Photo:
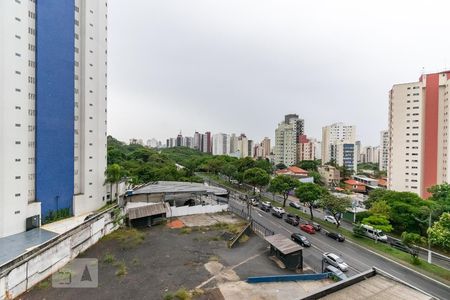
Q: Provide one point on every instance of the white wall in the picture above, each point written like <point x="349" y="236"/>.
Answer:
<point x="195" y="210"/>
<point x="17" y="113"/>
<point x="25" y="274"/>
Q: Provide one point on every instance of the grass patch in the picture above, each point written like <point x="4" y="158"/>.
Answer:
<point x="186" y="230"/>
<point x="214" y="258"/>
<point x="44" y="284"/>
<point x="109" y="258"/>
<point x="127" y="237"/>
<point x="183" y="294"/>
<point x="243" y="238"/>
<point x="168" y="296"/>
<point x="121" y="269"/>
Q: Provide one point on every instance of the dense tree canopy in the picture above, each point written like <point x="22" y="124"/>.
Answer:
<point x="309" y="193"/>
<point x="256" y="177"/>
<point x="439" y="233"/>
<point x="283" y="185"/>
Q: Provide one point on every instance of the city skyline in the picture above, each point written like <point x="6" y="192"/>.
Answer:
<point x="242" y="66"/>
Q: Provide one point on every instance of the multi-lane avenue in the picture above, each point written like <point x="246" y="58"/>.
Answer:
<point x="358" y="258"/>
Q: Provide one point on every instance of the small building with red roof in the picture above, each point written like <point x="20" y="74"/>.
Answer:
<point x="355" y="186"/>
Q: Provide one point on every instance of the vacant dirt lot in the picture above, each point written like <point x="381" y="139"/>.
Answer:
<point x="152" y="263"/>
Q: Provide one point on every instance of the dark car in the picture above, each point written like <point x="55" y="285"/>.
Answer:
<point x="292" y="220"/>
<point x="337" y="236"/>
<point x="316" y="226"/>
<point x="265" y="207"/>
<point x="300" y="239"/>
<point x="277" y="214"/>
<point x="402" y="247"/>
<point x="294" y="205"/>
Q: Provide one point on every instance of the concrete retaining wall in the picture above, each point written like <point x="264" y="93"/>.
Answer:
<point x="194" y="210"/>
<point x="19" y="275"/>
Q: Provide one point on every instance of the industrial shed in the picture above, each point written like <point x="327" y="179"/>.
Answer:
<point x="145" y="214"/>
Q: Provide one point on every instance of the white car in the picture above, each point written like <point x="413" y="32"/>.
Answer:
<point x="335" y="261"/>
<point x="330" y="219"/>
<point x="279" y="210"/>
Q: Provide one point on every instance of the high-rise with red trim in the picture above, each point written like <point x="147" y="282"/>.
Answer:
<point x="418" y="133"/>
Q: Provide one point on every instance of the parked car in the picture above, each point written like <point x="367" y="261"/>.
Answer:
<point x="300" y="239"/>
<point x="335" y="261"/>
<point x="292" y="220"/>
<point x="330" y="219"/>
<point x="294" y="205"/>
<point x="307" y="228"/>
<point x="373" y="233"/>
<point x="337" y="236"/>
<point x="279" y="209"/>
<point x="265" y="207"/>
<point x="277" y="214"/>
<point x="402" y="247"/>
<point x="336" y="272"/>
<point x="254" y="202"/>
<point x="316" y="226"/>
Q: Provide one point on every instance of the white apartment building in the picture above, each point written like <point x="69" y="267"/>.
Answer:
<point x="53" y="96"/>
<point x="338" y="144"/>
<point x="265" y="145"/>
<point x="418" y="134"/>
<point x="221" y="144"/>
<point x="384" y="150"/>
<point x="242" y="145"/>
<point x="286" y="139"/>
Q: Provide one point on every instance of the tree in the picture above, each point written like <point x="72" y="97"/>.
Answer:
<point x="335" y="205"/>
<point x="309" y="165"/>
<point x="374" y="196"/>
<point x="265" y="165"/>
<point x="256" y="177"/>
<point x="439" y="233"/>
<point x="229" y="170"/>
<point x="441" y="196"/>
<point x="114" y="174"/>
<point x="280" y="166"/>
<point x="283" y="185"/>
<point x="412" y="239"/>
<point x="317" y="177"/>
<point x="381" y="208"/>
<point x="378" y="222"/>
<point x="309" y="193"/>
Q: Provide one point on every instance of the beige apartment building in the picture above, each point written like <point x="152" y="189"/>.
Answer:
<point x="418" y="134"/>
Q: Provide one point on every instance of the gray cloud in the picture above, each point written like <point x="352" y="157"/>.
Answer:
<point x="239" y="66"/>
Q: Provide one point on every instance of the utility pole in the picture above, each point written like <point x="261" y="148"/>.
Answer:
<point x="429" y="242"/>
<point x="429" y="226"/>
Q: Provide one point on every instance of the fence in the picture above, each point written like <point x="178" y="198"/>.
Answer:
<point x="260" y="229"/>
<point x="257" y="227"/>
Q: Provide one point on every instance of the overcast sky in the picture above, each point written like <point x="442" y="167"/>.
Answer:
<point x="240" y="66"/>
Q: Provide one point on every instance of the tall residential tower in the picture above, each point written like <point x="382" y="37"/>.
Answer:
<point x="53" y="99"/>
<point x="418" y="134"/>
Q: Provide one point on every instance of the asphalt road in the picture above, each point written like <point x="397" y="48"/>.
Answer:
<point x="359" y="259"/>
<point x="436" y="258"/>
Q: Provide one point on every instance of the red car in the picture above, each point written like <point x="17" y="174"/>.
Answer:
<point x="307" y="228"/>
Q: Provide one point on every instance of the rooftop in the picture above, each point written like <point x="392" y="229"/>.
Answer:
<point x="282" y="243"/>
<point x="168" y="187"/>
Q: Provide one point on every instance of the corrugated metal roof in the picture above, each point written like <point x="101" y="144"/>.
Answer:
<point x="179" y="187"/>
<point x="283" y="244"/>
<point x="138" y="210"/>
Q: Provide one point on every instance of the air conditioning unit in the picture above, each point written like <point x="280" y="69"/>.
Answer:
<point x="33" y="222"/>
